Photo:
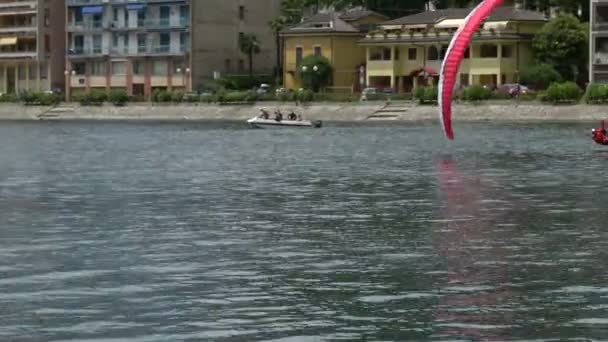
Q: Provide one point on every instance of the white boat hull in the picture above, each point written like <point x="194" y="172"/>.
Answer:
<point x="267" y="123"/>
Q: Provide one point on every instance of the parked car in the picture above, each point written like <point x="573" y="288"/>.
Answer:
<point x="263" y="89"/>
<point x="513" y="89"/>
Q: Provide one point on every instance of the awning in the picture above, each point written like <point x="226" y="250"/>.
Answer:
<point x="450" y="23"/>
<point x="136" y="7"/>
<point x="8" y="41"/>
<point x="92" y="10"/>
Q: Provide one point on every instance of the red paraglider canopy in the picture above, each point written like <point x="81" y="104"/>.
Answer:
<point x="454" y="56"/>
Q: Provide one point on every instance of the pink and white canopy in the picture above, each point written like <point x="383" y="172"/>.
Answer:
<point x="453" y="58"/>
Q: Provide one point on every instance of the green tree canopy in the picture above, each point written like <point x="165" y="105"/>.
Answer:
<point x="315" y="72"/>
<point x="563" y="43"/>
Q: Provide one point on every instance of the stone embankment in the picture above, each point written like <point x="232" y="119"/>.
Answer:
<point x="402" y="111"/>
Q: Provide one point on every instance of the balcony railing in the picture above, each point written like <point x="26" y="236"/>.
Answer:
<point x="18" y="54"/>
<point x="86" y="51"/>
<point x="602" y="26"/>
<point x="85" y="2"/>
<point x="86" y="25"/>
<point x="150" y="50"/>
<point x="600" y="58"/>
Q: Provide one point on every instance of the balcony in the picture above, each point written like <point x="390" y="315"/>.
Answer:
<point x="18" y="54"/>
<point x="19" y="29"/>
<point x="85" y="2"/>
<point x="18" y="7"/>
<point x="91" y="25"/>
<point x="87" y="52"/>
<point x="600" y="58"/>
<point x="151" y="50"/>
<point x="154" y="24"/>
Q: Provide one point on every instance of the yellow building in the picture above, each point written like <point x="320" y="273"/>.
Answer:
<point x="407" y="52"/>
<point x="334" y="36"/>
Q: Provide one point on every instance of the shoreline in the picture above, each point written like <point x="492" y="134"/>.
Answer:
<point x="347" y="112"/>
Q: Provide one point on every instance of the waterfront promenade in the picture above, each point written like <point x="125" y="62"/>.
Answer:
<point x="403" y="111"/>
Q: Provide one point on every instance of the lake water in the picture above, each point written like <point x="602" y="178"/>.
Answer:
<point x="153" y="232"/>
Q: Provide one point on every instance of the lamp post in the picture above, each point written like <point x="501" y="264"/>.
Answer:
<point x="68" y="85"/>
<point x="188" y="86"/>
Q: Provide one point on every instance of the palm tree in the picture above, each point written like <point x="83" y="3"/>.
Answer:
<point x="277" y="25"/>
<point x="250" y="45"/>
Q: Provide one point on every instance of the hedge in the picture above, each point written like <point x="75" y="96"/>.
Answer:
<point x="567" y="92"/>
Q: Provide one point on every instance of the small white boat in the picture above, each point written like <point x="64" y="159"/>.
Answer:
<point x="270" y="123"/>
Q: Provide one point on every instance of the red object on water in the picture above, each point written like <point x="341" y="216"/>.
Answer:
<point x="600" y="136"/>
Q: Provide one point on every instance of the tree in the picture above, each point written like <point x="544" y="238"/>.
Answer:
<point x="315" y="72"/>
<point x="540" y="76"/>
<point x="277" y="25"/>
<point x="250" y="45"/>
<point x="563" y="43"/>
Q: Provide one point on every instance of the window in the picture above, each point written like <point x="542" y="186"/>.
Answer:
<point x="412" y="54"/>
<point x="433" y="53"/>
<point x="380" y="54"/>
<point x="165" y="41"/>
<point x="242" y="12"/>
<point x="299" y="55"/>
<point x="397" y="53"/>
<point x="98" y="68"/>
<point x="138" y="68"/>
<point x="47" y="15"/>
<point x="184" y="14"/>
<point x="97" y="43"/>
<point x="115" y="40"/>
<point x="119" y="68"/>
<point x="141" y="42"/>
<point x="77" y="16"/>
<point x="227" y="64"/>
<point x="241" y="65"/>
<point x="467" y="53"/>
<point x="184" y="41"/>
<point x="489" y="51"/>
<point x="115" y="15"/>
<point x="160" y="68"/>
<point x="78" y="68"/>
<point x="507" y="51"/>
<point x="444" y="51"/>
<point x="318" y="51"/>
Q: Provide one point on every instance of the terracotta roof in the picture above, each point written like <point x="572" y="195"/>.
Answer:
<point x="323" y="23"/>
<point x="357" y="14"/>
<point x="501" y="14"/>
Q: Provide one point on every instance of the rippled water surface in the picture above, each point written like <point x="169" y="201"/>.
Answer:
<point x="213" y="232"/>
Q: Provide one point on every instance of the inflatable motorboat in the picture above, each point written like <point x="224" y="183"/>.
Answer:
<point x="270" y="123"/>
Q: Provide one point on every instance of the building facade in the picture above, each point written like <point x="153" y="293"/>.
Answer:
<point x="408" y="52"/>
<point x="333" y="35"/>
<point x="138" y="46"/>
<point x="217" y="25"/>
<point x="31" y="46"/>
<point x="598" y="42"/>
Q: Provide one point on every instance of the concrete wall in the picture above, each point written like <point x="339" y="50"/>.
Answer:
<point x="215" y="36"/>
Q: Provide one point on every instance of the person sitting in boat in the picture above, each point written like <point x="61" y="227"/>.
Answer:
<point x="264" y="114"/>
<point x="292" y="116"/>
<point x="299" y="117"/>
<point x="278" y="116"/>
